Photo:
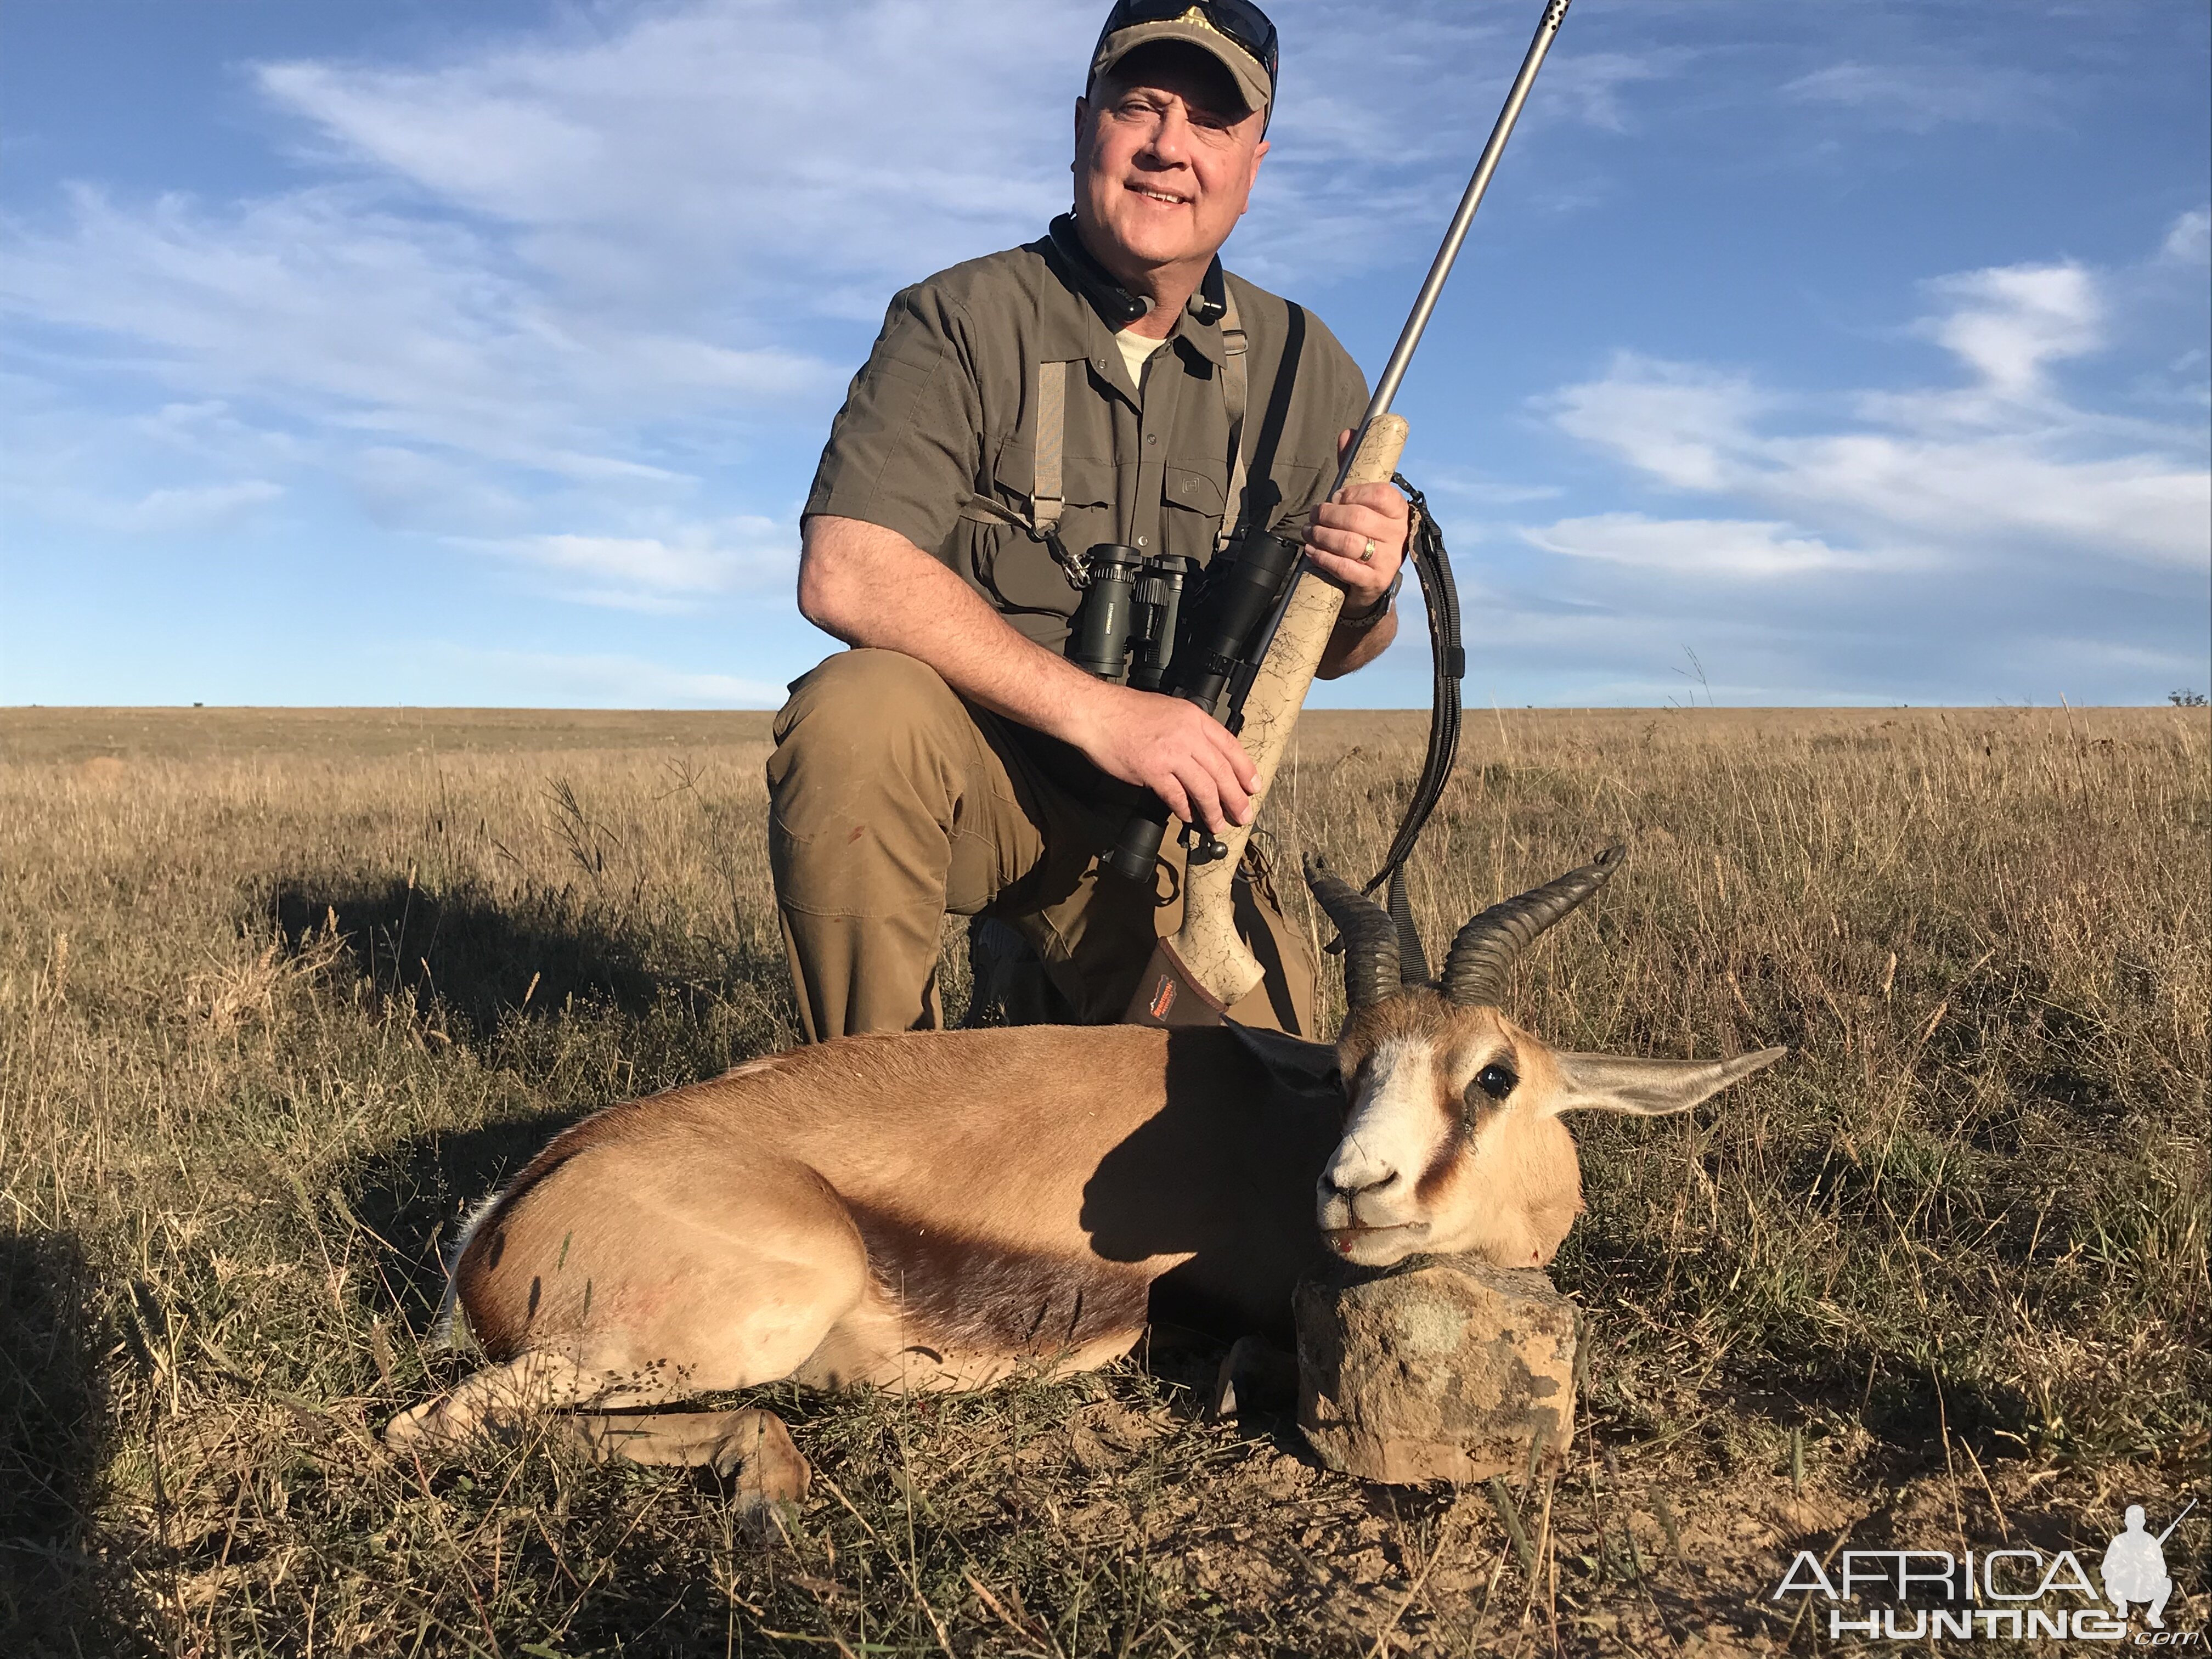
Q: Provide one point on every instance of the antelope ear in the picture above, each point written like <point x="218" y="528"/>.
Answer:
<point x="1648" y="1088"/>
<point x="1304" y="1069"/>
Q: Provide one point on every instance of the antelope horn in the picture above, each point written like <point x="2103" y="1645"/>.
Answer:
<point x="1370" y="939"/>
<point x="1480" y="960"/>
<point x="1412" y="960"/>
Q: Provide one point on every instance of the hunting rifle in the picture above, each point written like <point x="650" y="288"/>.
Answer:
<point x="1266" y="644"/>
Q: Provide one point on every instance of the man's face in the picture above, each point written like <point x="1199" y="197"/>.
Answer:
<point x="1165" y="156"/>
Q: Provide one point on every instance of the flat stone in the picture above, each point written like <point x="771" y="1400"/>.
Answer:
<point x="1440" y="1368"/>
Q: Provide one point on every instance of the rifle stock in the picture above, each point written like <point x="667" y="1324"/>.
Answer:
<point x="1207" y="946"/>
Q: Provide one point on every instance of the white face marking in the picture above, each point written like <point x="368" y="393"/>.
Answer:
<point x="1394" y="1133"/>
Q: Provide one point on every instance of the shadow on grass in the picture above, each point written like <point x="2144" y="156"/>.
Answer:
<point x="480" y="958"/>
<point x="546" y="984"/>
<point x="484" y="965"/>
<point x="415" y="1194"/>
<point x="57" y="1594"/>
<point x="1908" y="1382"/>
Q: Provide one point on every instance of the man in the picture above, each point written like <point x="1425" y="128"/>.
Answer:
<point x="1107" y="383"/>
<point x="2135" y="1569"/>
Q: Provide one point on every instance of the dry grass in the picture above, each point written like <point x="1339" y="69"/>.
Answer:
<point x="280" y="993"/>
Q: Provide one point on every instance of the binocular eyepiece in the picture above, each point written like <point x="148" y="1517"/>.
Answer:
<point x="1125" y="629"/>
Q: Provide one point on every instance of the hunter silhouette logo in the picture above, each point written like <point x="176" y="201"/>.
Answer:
<point x="2013" y="1593"/>
<point x="2135" y="1567"/>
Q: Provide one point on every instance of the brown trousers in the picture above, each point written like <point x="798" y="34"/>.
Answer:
<point x="891" y="801"/>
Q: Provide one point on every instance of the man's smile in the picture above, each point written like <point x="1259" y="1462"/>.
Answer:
<point x="1151" y="194"/>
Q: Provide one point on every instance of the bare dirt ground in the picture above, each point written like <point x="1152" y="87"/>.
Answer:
<point x="282" y="991"/>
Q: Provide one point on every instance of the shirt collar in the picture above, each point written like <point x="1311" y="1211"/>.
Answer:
<point x="1113" y="308"/>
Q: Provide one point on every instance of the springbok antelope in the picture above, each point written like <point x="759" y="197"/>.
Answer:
<point x="938" y="1210"/>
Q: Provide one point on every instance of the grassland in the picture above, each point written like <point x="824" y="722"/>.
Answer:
<point x="280" y="993"/>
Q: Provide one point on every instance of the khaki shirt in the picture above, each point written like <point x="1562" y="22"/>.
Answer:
<point x="947" y="407"/>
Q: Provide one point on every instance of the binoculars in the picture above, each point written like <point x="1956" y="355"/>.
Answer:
<point x="1125" y="629"/>
<point x="1136" y="628"/>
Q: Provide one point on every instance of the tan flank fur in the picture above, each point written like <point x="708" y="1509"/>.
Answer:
<point x="938" y="1210"/>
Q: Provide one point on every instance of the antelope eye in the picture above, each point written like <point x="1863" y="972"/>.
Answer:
<point x="1496" y="1081"/>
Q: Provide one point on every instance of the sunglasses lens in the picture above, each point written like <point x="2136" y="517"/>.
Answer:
<point x="1248" y="23"/>
<point x="1245" y="24"/>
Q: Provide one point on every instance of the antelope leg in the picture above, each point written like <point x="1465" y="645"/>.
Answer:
<point x="751" y="1446"/>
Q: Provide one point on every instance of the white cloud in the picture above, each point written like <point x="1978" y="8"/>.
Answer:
<point x="2190" y="239"/>
<point x="404" y="488"/>
<point x="210" y="430"/>
<point x="1589" y="84"/>
<point x="759" y="144"/>
<point x="2003" y="467"/>
<point x="1974" y="497"/>
<point x="325" y="306"/>
<point x="1920" y="97"/>
<point x="1441" y="478"/>
<point x="1987" y="538"/>
<point x="199" y="506"/>
<point x="669" y="572"/>
<point x="168" y="510"/>
<point x="1723" y="549"/>
<point x="1673" y="421"/>
<point x="2008" y="324"/>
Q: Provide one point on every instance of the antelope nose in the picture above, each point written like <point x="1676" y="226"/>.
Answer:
<point x="1356" y="1182"/>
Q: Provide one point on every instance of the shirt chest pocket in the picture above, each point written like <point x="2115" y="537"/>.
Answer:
<point x="1018" y="571"/>
<point x="1193" y="500"/>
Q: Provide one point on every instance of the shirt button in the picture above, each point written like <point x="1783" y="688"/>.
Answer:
<point x="1151" y="438"/>
<point x="1140" y="541"/>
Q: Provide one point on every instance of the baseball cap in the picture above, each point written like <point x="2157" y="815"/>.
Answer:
<point x="1234" y="33"/>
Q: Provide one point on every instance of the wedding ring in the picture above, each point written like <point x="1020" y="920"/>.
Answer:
<point x="1367" y="552"/>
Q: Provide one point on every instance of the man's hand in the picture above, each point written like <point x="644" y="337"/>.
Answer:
<point x="1346" y="527"/>
<point x="1174" y="748"/>
<point x="871" y="586"/>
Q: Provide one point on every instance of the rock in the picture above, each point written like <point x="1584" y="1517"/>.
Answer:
<point x="1440" y="1368"/>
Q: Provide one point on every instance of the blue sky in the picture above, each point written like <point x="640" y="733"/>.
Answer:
<point x="413" y="353"/>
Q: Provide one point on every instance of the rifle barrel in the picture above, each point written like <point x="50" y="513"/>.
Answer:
<point x="1386" y="388"/>
<point x="2178" y="1520"/>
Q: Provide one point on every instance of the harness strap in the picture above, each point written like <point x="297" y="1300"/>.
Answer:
<point x="982" y="509"/>
<point x="1234" y="391"/>
<point x="1048" y="499"/>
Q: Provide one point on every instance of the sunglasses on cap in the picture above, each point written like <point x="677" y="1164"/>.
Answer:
<point x="1241" y="20"/>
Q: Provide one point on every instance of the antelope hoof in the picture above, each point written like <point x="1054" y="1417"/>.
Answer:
<point x="416" y="1426"/>
<point x="759" y="1457"/>
<point x="1254" y="1376"/>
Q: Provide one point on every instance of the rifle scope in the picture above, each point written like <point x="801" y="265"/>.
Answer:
<point x="1231" y="608"/>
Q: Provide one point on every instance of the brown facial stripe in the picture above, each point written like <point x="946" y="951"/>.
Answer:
<point x="1466" y="1113"/>
<point x="965" y="1293"/>
<point x="1439" y="1176"/>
